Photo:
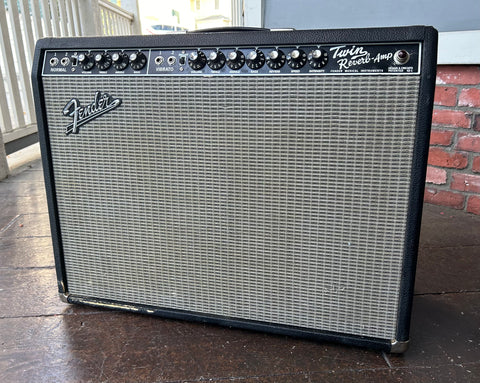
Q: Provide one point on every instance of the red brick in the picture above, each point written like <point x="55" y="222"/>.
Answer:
<point x="458" y="74"/>
<point x="440" y="157"/>
<point x="476" y="123"/>
<point x="468" y="142"/>
<point x="436" y="175"/>
<point x="473" y="204"/>
<point x="470" y="97"/>
<point x="441" y="137"/>
<point x="465" y="182"/>
<point x="445" y="95"/>
<point x="476" y="165"/>
<point x="444" y="198"/>
<point x="451" y="117"/>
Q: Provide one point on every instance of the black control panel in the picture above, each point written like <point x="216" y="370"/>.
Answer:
<point x="403" y="58"/>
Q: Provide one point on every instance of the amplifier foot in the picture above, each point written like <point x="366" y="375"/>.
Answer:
<point x="398" y="347"/>
<point x="64" y="297"/>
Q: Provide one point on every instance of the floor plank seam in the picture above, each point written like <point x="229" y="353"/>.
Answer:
<point x="449" y="247"/>
<point x="432" y="366"/>
<point x="51" y="315"/>
<point x="294" y="374"/>
<point x="310" y="373"/>
<point x="3" y="268"/>
<point x="448" y="292"/>
<point x="25" y="237"/>
<point x="6" y="181"/>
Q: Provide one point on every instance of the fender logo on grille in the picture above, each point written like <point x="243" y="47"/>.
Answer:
<point x="101" y="104"/>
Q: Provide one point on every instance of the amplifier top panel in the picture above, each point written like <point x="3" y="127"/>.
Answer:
<point x="332" y="59"/>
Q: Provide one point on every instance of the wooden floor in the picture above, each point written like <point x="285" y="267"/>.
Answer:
<point x="45" y="340"/>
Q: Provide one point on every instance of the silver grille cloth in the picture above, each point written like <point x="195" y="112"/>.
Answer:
<point x="275" y="199"/>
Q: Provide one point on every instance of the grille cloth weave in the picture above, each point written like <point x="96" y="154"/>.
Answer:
<point x="276" y="199"/>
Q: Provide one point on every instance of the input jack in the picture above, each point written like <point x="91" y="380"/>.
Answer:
<point x="158" y="60"/>
<point x="53" y="61"/>
<point x="65" y="61"/>
<point x="171" y="60"/>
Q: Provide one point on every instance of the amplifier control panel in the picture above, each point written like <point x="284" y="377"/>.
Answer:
<point x="356" y="59"/>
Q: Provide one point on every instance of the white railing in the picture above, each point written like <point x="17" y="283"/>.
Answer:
<point x="22" y="23"/>
<point x="115" y="20"/>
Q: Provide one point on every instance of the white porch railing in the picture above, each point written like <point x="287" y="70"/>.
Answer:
<point x="22" y="22"/>
<point x="115" y="20"/>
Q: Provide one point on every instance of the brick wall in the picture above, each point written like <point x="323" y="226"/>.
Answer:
<point x="453" y="173"/>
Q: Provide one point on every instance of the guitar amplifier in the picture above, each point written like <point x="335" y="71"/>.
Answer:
<point x="267" y="180"/>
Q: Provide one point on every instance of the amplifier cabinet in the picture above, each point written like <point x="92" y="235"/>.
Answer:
<point x="268" y="180"/>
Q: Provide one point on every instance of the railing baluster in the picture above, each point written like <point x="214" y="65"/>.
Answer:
<point x="27" y="29"/>
<point x="76" y="18"/>
<point x="119" y="23"/>
<point x="102" y="21"/>
<point x="47" y="18"/>
<point x="63" y="17"/>
<point x="11" y="76"/>
<point x="21" y="57"/>
<point x="124" y="25"/>
<point x="37" y="20"/>
<point x="4" y="112"/>
<point x="3" y="160"/>
<point x="110" y="24"/>
<point x="55" y="18"/>
<point x="115" y="25"/>
<point x="71" y="29"/>
<point x="106" y="18"/>
<point x="121" y="26"/>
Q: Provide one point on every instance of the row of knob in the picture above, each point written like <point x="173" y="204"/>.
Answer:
<point x="119" y="60"/>
<point x="216" y="60"/>
<point x="255" y="59"/>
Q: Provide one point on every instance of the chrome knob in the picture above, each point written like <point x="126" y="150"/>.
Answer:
<point x="273" y="55"/>
<point x="197" y="60"/>
<point x="255" y="59"/>
<point x="276" y="59"/>
<point x="193" y="56"/>
<point x="216" y="60"/>
<point x="317" y="53"/>
<point x="295" y="54"/>
<point x="318" y="58"/>
<point x="235" y="59"/>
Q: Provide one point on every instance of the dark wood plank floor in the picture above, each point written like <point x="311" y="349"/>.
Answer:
<point x="45" y="340"/>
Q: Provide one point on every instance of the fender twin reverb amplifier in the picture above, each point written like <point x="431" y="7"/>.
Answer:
<point x="268" y="180"/>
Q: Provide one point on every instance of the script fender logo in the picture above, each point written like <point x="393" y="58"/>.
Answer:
<point x="101" y="104"/>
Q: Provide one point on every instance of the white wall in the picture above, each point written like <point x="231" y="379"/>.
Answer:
<point x="458" y="21"/>
<point x="445" y="15"/>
